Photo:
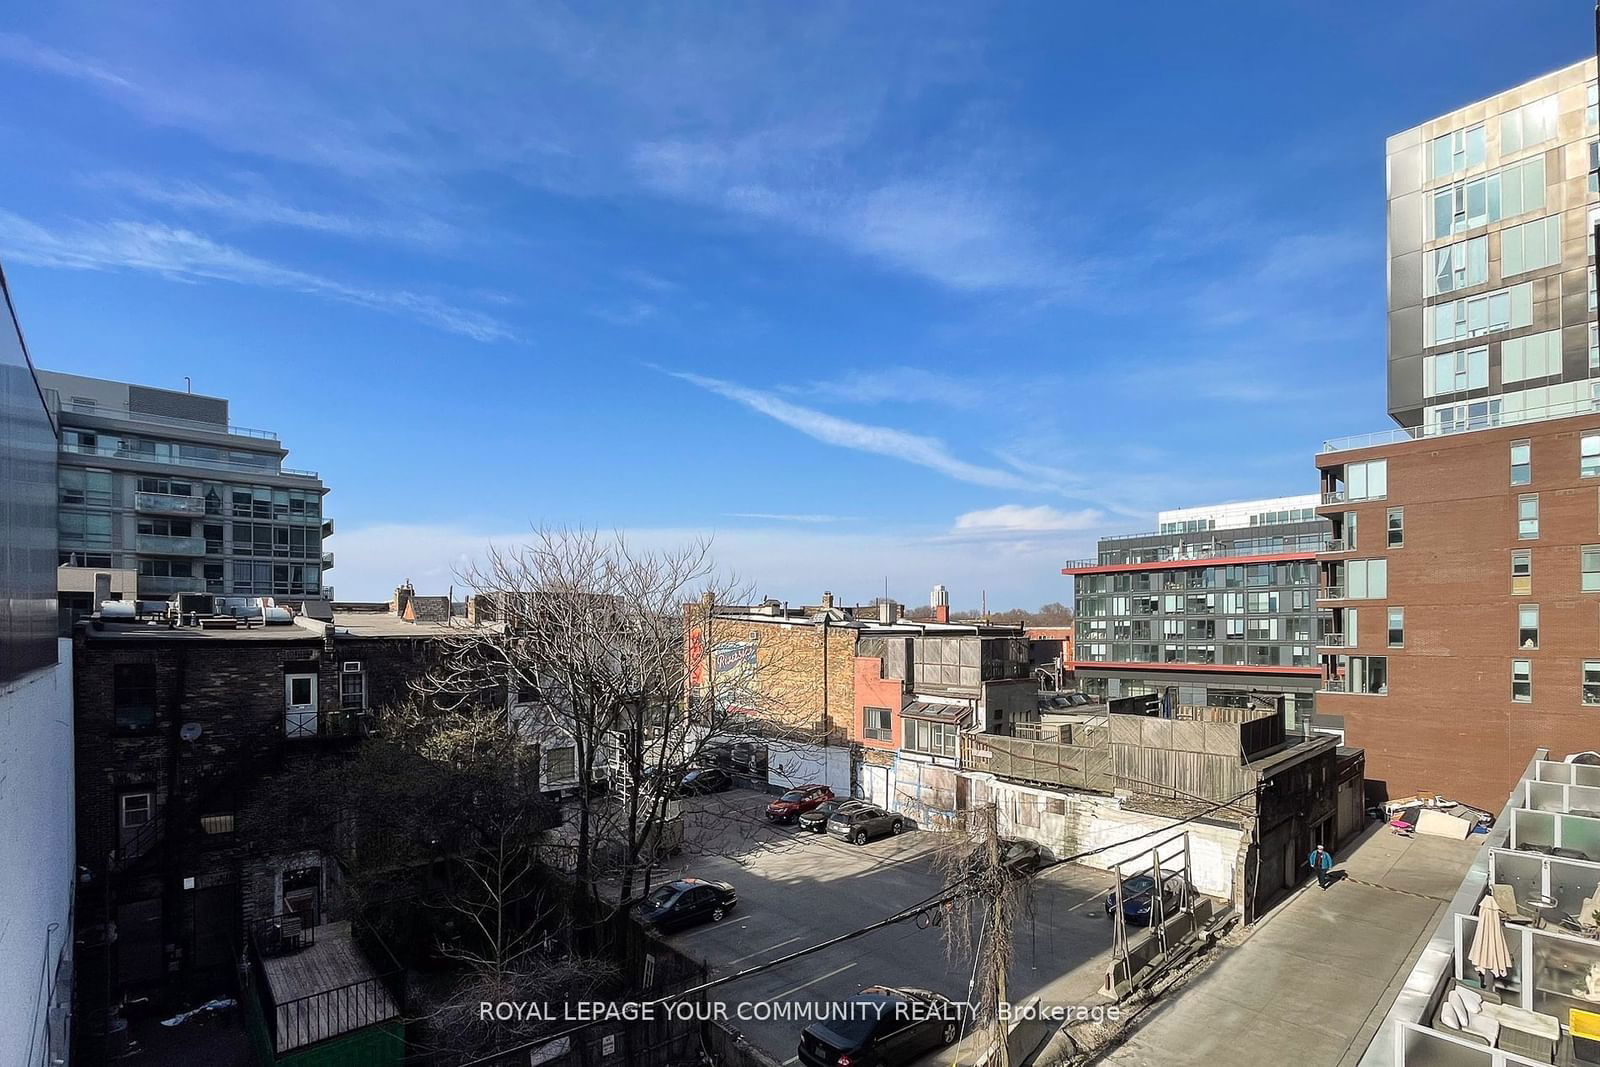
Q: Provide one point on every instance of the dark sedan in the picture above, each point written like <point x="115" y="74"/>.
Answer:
<point x="688" y="902"/>
<point x="864" y="823"/>
<point x="796" y="802"/>
<point x="1139" y="905"/>
<point x="703" y="780"/>
<point x="816" y="820"/>
<point x="881" y="1027"/>
<point x="1019" y="858"/>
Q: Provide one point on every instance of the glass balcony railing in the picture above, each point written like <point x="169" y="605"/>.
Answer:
<point x="1331" y="592"/>
<point x="153" y="586"/>
<point x="327" y="560"/>
<point x="1189" y="553"/>
<point x="167" y="504"/>
<point x="104" y="411"/>
<point x="260" y="469"/>
<point x="169" y="545"/>
<point x="1332" y="639"/>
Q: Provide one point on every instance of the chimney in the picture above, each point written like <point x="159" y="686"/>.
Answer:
<point x="827" y="601"/>
<point x="888" y="612"/>
<point x="402" y="598"/>
<point x="941" y="613"/>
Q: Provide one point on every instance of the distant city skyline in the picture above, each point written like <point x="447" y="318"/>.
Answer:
<point x="937" y="296"/>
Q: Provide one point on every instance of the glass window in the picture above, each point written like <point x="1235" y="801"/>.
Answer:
<point x="1459" y="266"/>
<point x="1526" y="247"/>
<point x="1367" y="579"/>
<point x="136" y="809"/>
<point x="1397" y="527"/>
<point x="1521" y="463"/>
<point x="1456" y="151"/>
<point x="133" y="695"/>
<point x="1589" y="455"/>
<point x="352" y="690"/>
<point x="1528" y="517"/>
<point x="1367" y="481"/>
<point x="1521" y="573"/>
<point x="1522" y="680"/>
<point x="1589" y="562"/>
<point x="1535" y="356"/>
<point x="1455" y="372"/>
<point x="1591" y="682"/>
<point x="876" y="724"/>
<point x="1397" y="627"/>
<point x="1528" y="626"/>
<point x="1528" y="125"/>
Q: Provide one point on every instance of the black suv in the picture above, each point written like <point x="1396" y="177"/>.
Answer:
<point x="686" y="902"/>
<point x="816" y="820"/>
<point x="864" y="823"/>
<point x="881" y="1027"/>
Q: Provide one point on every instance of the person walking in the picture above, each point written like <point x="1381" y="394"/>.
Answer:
<point x="1321" y="862"/>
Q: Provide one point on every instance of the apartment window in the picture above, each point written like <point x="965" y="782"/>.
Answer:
<point x="1367" y="481"/>
<point x="1365" y="674"/>
<point x="133" y="695"/>
<point x="1458" y="266"/>
<point x="1455" y="372"/>
<point x="1591" y="682"/>
<point x="1594" y="175"/>
<point x="353" y="690"/>
<point x="81" y="487"/>
<point x="1352" y="628"/>
<point x="1508" y="191"/>
<point x="931" y="738"/>
<point x="1367" y="579"/>
<point x="561" y="764"/>
<point x="1528" y="125"/>
<point x="136" y="809"/>
<point x="1397" y="627"/>
<point x="1589" y="562"/>
<point x="1521" y="573"/>
<point x="1521" y="463"/>
<point x="1535" y="356"/>
<point x="1589" y="455"/>
<point x="1528" y="626"/>
<point x="1397" y="527"/>
<point x="300" y="705"/>
<point x="876" y="724"/>
<point x="1455" y="152"/>
<point x="1594" y="337"/>
<point x="1504" y="309"/>
<point x="1522" y="681"/>
<point x="1528" y="517"/>
<point x="1529" y="246"/>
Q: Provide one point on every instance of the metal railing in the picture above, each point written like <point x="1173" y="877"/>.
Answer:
<point x="1335" y="496"/>
<point x="1332" y="640"/>
<point x="1335" y="685"/>
<point x="283" y="934"/>
<point x="153" y="585"/>
<point x="104" y="411"/>
<point x="1331" y="592"/>
<point x="1337" y="544"/>
<point x="179" y="461"/>
<point x="1188" y="553"/>
<point x="1472" y="424"/>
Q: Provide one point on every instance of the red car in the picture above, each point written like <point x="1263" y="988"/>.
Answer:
<point x="796" y="802"/>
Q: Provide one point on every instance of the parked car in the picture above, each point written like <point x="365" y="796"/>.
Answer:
<point x="816" y="820"/>
<point x="796" y="802"/>
<point x="716" y="754"/>
<point x="1077" y="699"/>
<point x="1020" y="858"/>
<point x="702" y="780"/>
<point x="881" y="1026"/>
<point x="864" y="823"/>
<point x="688" y="902"/>
<point x="1139" y="906"/>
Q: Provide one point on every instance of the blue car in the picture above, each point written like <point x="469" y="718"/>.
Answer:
<point x="1139" y="905"/>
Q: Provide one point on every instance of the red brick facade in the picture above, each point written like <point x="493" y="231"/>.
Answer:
<point x="873" y="690"/>
<point x="1448" y="723"/>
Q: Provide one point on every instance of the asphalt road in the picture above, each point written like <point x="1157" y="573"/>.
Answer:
<point x="796" y="889"/>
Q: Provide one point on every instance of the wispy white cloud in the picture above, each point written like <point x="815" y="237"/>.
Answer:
<point x="919" y="449"/>
<point x="255" y="207"/>
<point x="898" y="385"/>
<point x="781" y="517"/>
<point x="184" y="255"/>
<point x="1016" y="518"/>
<point x="15" y="48"/>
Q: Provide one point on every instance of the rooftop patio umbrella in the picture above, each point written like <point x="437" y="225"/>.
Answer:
<point x="1489" y="954"/>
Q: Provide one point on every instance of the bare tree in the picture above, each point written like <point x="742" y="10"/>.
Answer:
<point x="590" y="645"/>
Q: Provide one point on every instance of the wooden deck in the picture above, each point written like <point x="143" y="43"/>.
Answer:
<point x="325" y="990"/>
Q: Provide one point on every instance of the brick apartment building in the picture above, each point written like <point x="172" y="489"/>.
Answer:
<point x="174" y="730"/>
<point x="1462" y="608"/>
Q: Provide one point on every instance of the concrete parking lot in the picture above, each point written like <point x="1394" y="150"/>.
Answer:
<point x="796" y="889"/>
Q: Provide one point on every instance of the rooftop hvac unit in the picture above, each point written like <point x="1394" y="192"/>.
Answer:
<point x="351" y="666"/>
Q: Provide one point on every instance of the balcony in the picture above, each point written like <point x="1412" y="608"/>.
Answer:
<point x="1184" y="555"/>
<point x="327" y="560"/>
<point x="167" y="504"/>
<point x="1331" y="592"/>
<point x="169" y="545"/>
<point x="1332" y="640"/>
<point x="1338" y="544"/>
<point x="122" y="414"/>
<point x="151" y="586"/>
<point x="1335" y="685"/>
<point x="1336" y="496"/>
<point x="264" y="470"/>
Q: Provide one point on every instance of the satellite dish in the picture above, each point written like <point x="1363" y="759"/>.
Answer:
<point x="190" y="731"/>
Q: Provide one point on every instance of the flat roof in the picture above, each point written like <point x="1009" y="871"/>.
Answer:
<point x="128" y="631"/>
<point x="383" y="624"/>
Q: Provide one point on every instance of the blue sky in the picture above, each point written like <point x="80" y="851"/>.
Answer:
<point x="931" y="293"/>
